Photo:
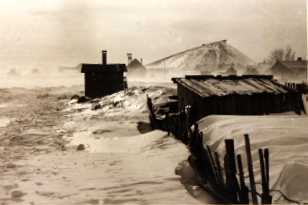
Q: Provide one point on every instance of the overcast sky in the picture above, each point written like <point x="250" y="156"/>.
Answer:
<point x="52" y="33"/>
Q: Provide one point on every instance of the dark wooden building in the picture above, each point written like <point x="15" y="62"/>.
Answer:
<point x="290" y="71"/>
<point x="235" y="95"/>
<point x="104" y="79"/>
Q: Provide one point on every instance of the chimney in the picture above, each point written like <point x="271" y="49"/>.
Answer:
<point x="129" y="56"/>
<point x="141" y="60"/>
<point x="299" y="58"/>
<point x="104" y="57"/>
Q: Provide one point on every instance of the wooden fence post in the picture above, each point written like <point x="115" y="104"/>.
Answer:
<point x="152" y="114"/>
<point x="215" y="172"/>
<point x="219" y="169"/>
<point x="187" y="112"/>
<point x="168" y="123"/>
<point x="250" y="170"/>
<point x="231" y="183"/>
<point x="266" y="198"/>
<point x="244" y="198"/>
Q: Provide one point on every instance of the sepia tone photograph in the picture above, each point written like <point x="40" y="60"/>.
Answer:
<point x="153" y="102"/>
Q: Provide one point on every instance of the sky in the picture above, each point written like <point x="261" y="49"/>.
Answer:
<point x="51" y="33"/>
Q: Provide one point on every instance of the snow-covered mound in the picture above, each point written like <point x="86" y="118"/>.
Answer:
<point x="123" y="116"/>
<point x="286" y="137"/>
<point x="134" y="98"/>
<point x="212" y="54"/>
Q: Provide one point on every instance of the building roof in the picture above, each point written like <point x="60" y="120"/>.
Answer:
<point x="206" y="86"/>
<point x="295" y="64"/>
<point x="252" y="71"/>
<point x="231" y="70"/>
<point x="101" y="68"/>
<point x="135" y="64"/>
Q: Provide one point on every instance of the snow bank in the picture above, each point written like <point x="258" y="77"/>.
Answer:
<point x="135" y="97"/>
<point x="115" y="144"/>
<point x="286" y="137"/>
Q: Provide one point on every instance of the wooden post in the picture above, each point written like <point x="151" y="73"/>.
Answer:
<point x="213" y="164"/>
<point x="195" y="135"/>
<point x="263" y="176"/>
<point x="187" y="111"/>
<point x="179" y="126"/>
<point x="151" y="110"/>
<point x="244" y="198"/>
<point x="226" y="168"/>
<point x="266" y="156"/>
<point x="264" y="166"/>
<point x="250" y="170"/>
<point x="219" y="169"/>
<point x="168" y="123"/>
<point x="232" y="183"/>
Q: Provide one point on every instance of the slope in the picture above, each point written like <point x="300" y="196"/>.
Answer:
<point x="211" y="56"/>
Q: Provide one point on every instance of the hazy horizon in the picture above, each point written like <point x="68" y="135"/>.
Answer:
<point x="52" y="33"/>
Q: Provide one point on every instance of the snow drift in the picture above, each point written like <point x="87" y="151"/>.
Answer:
<point x="286" y="137"/>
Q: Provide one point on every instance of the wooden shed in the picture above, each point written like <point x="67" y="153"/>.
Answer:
<point x="235" y="95"/>
<point x="104" y="79"/>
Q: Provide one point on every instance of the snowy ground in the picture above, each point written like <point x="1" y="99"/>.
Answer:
<point x="123" y="161"/>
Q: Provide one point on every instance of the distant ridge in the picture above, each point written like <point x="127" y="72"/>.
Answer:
<point x="210" y="56"/>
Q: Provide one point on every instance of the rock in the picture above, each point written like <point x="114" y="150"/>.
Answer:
<point x="16" y="194"/>
<point x="96" y="106"/>
<point x="83" y="99"/>
<point x="10" y="166"/>
<point x="75" y="97"/>
<point x="81" y="147"/>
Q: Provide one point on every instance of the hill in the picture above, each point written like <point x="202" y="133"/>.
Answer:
<point x="207" y="57"/>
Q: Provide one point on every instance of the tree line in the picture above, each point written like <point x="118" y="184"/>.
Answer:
<point x="287" y="54"/>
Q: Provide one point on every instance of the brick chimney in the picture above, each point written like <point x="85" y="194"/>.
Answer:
<point x="130" y="58"/>
<point x="104" y="57"/>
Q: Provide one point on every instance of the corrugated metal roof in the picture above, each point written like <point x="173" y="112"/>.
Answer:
<point x="101" y="68"/>
<point x="295" y="64"/>
<point x="206" y="86"/>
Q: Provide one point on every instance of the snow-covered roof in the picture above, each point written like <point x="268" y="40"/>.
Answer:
<point x="295" y="64"/>
<point x="208" y="85"/>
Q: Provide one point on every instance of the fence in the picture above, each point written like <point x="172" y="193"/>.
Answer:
<point x="222" y="180"/>
<point x="301" y="87"/>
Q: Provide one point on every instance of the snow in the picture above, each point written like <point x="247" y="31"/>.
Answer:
<point x="4" y="122"/>
<point x="123" y="162"/>
<point x="115" y="143"/>
<point x="286" y="137"/>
